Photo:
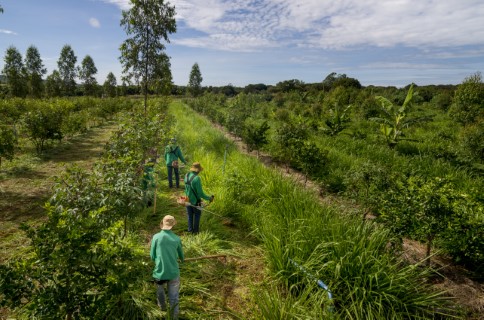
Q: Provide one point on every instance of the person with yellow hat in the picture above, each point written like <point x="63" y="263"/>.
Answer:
<point x="172" y="154"/>
<point x="166" y="249"/>
<point x="195" y="194"/>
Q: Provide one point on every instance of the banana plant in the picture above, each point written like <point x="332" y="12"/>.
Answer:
<point x="338" y="120"/>
<point x="395" y="118"/>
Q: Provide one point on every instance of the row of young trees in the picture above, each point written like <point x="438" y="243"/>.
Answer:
<point x="336" y="138"/>
<point x="44" y="121"/>
<point x="85" y="260"/>
<point x="25" y="76"/>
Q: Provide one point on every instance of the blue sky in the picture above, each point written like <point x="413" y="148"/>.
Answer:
<point x="378" y="42"/>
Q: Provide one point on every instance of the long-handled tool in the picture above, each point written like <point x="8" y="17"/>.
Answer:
<point x="225" y="221"/>
<point x="208" y="257"/>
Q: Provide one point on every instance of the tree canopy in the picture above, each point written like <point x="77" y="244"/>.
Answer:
<point x="147" y="23"/>
<point x="67" y="70"/>
<point x="35" y="70"/>
<point x="195" y="81"/>
<point x="87" y="71"/>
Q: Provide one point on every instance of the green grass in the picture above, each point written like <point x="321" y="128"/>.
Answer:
<point x="349" y="255"/>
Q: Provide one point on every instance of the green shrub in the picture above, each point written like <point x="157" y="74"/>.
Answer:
<point x="472" y="141"/>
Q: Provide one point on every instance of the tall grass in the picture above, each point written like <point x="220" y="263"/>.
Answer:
<point x="352" y="257"/>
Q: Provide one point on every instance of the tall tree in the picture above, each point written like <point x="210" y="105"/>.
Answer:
<point x="15" y="72"/>
<point x="195" y="81"/>
<point x="53" y="84"/>
<point x="163" y="78"/>
<point x="67" y="70"/>
<point x="110" y="85"/>
<point x="147" y="23"/>
<point x="34" y="70"/>
<point x="87" y="71"/>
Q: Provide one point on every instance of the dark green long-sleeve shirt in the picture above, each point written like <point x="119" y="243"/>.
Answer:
<point x="166" y="248"/>
<point x="172" y="153"/>
<point x="195" y="193"/>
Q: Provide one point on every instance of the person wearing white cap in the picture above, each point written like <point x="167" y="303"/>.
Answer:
<point x="166" y="249"/>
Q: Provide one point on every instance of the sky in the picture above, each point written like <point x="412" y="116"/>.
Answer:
<point x="241" y="42"/>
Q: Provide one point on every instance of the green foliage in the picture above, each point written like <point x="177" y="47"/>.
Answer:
<point x="109" y="85"/>
<point x="67" y="70"/>
<point x="337" y="120"/>
<point x="146" y="23"/>
<point x="472" y="141"/>
<point x="75" y="122"/>
<point x="42" y="124"/>
<point x="34" y="71"/>
<point x="394" y="119"/>
<point x="87" y="72"/>
<point x="82" y="262"/>
<point x="468" y="103"/>
<point x="352" y="257"/>
<point x="255" y="134"/>
<point x="53" y="84"/>
<point x="464" y="239"/>
<point x="75" y="269"/>
<point x="421" y="208"/>
<point x="366" y="181"/>
<point x="8" y="142"/>
<point x="287" y="135"/>
<point x="310" y="158"/>
<point x="14" y="70"/>
<point x="195" y="81"/>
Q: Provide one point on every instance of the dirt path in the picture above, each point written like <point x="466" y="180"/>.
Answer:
<point x="464" y="290"/>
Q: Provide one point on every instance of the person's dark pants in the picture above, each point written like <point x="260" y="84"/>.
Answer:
<point x="170" y="176"/>
<point x="194" y="215"/>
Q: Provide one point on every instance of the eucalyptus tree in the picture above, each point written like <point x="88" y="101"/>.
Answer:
<point x="53" y="84"/>
<point x="34" y="70"/>
<point x="87" y="71"/>
<point x="14" y="71"/>
<point x="110" y="85"/>
<point x="195" y="81"/>
<point x="67" y="70"/>
<point x="146" y="24"/>
<point x="163" y="79"/>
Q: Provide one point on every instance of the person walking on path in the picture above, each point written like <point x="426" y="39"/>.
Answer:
<point x="166" y="249"/>
<point x="195" y="194"/>
<point x="172" y="154"/>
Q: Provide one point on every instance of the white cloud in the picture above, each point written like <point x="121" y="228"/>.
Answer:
<point x="94" y="23"/>
<point x="122" y="4"/>
<point x="8" y="32"/>
<point x="334" y="24"/>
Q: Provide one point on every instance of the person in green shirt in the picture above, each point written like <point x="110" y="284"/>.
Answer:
<point x="195" y="194"/>
<point x="166" y="249"/>
<point x="172" y="154"/>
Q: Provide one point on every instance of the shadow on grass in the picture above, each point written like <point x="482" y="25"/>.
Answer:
<point x="20" y="207"/>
